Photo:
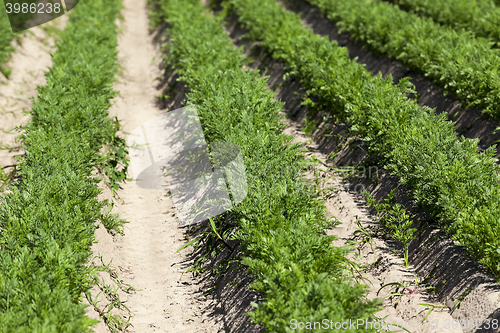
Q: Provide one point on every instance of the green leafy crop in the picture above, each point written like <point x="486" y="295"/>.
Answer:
<point x="482" y="18"/>
<point x="464" y="66"/>
<point x="448" y="176"/>
<point x="48" y="220"/>
<point x="280" y="223"/>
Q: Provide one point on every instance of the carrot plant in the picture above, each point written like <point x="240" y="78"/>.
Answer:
<point x="466" y="67"/>
<point x="394" y="221"/>
<point x="481" y="18"/>
<point x="48" y="219"/>
<point x="115" y="322"/>
<point x="448" y="176"/>
<point x="279" y="225"/>
<point x="6" y="177"/>
<point x="115" y="160"/>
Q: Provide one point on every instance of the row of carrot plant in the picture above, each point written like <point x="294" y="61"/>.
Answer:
<point x="280" y="225"/>
<point x="466" y="67"/>
<point x="48" y="218"/>
<point x="482" y="18"/>
<point x="448" y="176"/>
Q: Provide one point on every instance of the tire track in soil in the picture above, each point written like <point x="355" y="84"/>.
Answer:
<point x="145" y="257"/>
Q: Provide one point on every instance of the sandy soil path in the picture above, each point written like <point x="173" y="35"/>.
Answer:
<point x="145" y="257"/>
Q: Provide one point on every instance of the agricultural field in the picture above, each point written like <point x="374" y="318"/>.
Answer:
<point x="340" y="159"/>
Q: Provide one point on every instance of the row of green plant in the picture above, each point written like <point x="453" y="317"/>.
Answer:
<point x="49" y="216"/>
<point x="481" y="18"/>
<point x="280" y="224"/>
<point x="466" y="67"/>
<point x="449" y="178"/>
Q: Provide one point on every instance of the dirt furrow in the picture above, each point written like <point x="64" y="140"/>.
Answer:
<point x="145" y="257"/>
<point x="382" y="266"/>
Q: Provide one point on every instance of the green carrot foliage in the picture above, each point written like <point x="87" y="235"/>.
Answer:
<point x="448" y="176"/>
<point x="280" y="223"/>
<point x="482" y="18"/>
<point x="464" y="66"/>
<point x="48" y="219"/>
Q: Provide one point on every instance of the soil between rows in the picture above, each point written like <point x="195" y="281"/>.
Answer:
<point x="145" y="257"/>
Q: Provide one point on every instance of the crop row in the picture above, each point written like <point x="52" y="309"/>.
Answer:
<point x="48" y="219"/>
<point x="482" y="18"/>
<point x="280" y="223"/>
<point x="449" y="178"/>
<point x="464" y="66"/>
